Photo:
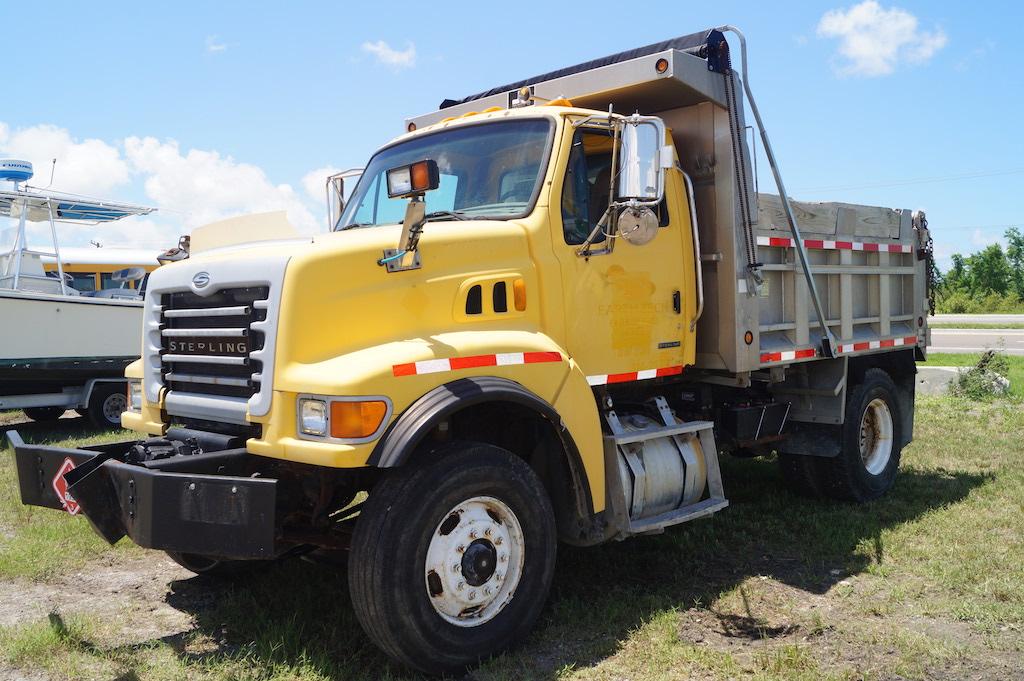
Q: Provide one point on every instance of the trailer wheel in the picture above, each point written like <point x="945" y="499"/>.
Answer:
<point x="208" y="566"/>
<point x="865" y="468"/>
<point x="452" y="559"/>
<point x="44" y="413"/>
<point x="106" y="403"/>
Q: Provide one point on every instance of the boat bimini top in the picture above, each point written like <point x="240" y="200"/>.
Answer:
<point x="29" y="204"/>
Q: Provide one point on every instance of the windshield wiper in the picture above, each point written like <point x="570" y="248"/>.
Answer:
<point x="453" y="214"/>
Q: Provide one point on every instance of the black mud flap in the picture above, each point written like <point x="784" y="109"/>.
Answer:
<point x="159" y="506"/>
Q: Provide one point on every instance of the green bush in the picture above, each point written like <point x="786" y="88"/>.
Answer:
<point x="982" y="381"/>
<point x="962" y="302"/>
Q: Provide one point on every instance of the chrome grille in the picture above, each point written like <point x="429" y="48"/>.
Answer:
<point x="206" y="341"/>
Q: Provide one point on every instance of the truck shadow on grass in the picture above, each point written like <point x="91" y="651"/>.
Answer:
<point x="297" y="615"/>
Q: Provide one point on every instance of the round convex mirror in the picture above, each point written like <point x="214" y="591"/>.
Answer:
<point x="638" y="225"/>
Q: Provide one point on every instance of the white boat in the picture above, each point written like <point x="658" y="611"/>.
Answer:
<point x="55" y="342"/>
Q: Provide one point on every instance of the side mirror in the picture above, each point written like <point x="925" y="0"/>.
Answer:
<point x="336" y="195"/>
<point x="643" y="158"/>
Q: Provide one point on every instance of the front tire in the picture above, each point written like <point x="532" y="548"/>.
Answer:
<point x="452" y="559"/>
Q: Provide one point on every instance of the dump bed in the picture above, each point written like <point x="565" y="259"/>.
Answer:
<point x="867" y="263"/>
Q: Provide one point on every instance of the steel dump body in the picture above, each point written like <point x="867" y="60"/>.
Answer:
<point x="865" y="260"/>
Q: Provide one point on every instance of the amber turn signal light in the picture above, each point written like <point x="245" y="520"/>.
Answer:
<point x="354" y="420"/>
<point x="519" y="294"/>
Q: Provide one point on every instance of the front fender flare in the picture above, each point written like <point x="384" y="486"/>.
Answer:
<point x="406" y="432"/>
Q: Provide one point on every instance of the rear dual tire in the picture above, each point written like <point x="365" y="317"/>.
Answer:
<point x="452" y="559"/>
<point x="870" y="447"/>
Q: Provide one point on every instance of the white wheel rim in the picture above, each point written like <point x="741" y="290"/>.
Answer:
<point x="876" y="436"/>
<point x="474" y="561"/>
<point x="113" y="406"/>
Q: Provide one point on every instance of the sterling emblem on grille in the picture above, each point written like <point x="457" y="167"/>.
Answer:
<point x="208" y="346"/>
<point x="201" y="279"/>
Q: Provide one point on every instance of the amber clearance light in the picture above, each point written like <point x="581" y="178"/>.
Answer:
<point x="355" y="420"/>
<point x="661" y="66"/>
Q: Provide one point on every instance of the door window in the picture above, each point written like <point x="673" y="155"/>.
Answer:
<point x="587" y="185"/>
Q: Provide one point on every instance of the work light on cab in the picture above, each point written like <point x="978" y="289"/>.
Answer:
<point x="410" y="182"/>
<point x="414" y="179"/>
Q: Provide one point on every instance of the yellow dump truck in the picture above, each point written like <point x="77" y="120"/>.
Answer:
<point x="542" y="313"/>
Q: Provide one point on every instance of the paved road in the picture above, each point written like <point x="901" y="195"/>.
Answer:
<point x="978" y="318"/>
<point x="976" y="340"/>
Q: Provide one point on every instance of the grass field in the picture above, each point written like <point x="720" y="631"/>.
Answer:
<point x="926" y="583"/>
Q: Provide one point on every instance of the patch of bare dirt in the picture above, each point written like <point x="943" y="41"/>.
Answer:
<point x="131" y="592"/>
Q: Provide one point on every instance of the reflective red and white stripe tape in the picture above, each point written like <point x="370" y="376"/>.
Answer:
<point x="832" y="245"/>
<point x="876" y="344"/>
<point x="434" y="366"/>
<point x="605" y="379"/>
<point x="788" y="355"/>
<point x="844" y="348"/>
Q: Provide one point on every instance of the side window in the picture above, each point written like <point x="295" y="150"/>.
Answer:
<point x="586" y="189"/>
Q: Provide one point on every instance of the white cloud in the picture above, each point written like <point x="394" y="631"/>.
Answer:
<point x="213" y="45"/>
<point x="189" y="187"/>
<point x="88" y="167"/>
<point x="389" y="56"/>
<point x="206" y="186"/>
<point x="965" y="63"/>
<point x="315" y="181"/>
<point x="874" y="39"/>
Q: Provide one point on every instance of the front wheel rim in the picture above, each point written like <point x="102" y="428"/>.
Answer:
<point x="474" y="561"/>
<point x="876" y="433"/>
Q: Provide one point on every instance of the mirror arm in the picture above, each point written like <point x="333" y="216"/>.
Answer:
<point x="584" y="249"/>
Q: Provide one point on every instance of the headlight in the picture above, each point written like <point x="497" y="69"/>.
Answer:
<point x="313" y="417"/>
<point x="349" y="420"/>
<point x="134" y="395"/>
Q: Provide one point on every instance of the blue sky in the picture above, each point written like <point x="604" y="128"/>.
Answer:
<point x="140" y="99"/>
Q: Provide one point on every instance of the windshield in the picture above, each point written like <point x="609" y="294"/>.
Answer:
<point x="491" y="170"/>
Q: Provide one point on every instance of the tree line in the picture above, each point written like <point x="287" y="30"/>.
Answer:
<point x="990" y="280"/>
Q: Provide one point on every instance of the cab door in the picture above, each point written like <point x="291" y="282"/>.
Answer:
<point x="628" y="312"/>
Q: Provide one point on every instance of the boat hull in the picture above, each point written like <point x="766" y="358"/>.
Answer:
<point x="48" y="342"/>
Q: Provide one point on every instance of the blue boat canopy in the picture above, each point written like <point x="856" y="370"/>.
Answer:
<point x="64" y="207"/>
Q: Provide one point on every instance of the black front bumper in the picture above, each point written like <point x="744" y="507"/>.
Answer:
<point x="205" y="503"/>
